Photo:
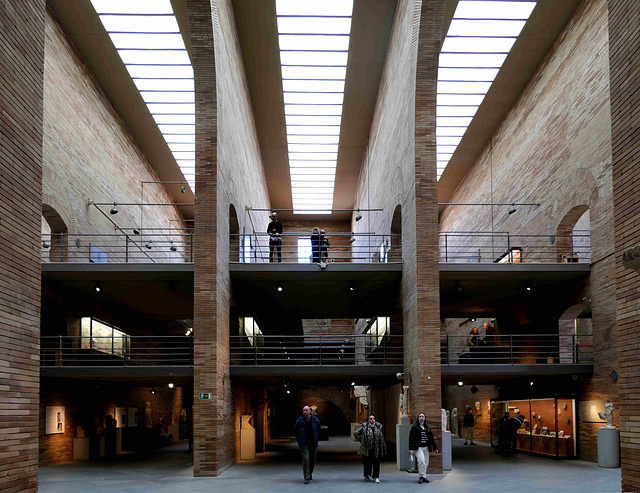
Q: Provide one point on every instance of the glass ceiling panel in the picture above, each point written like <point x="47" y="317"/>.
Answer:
<point x="480" y="37"/>
<point x="155" y="57"/>
<point x="168" y="97"/>
<point x="313" y="148"/>
<point x="312" y="190"/>
<point x="164" y="84"/>
<point x="175" y="119"/>
<point x="147" y="40"/>
<point x="140" y="23"/>
<point x="132" y="6"/>
<point x="326" y="157"/>
<point x="313" y="139"/>
<point x="178" y="129"/>
<point x="313" y="86"/>
<point x="182" y="147"/>
<point x="494" y="10"/>
<point x="312" y="120"/>
<point x="313" y="109"/>
<point x="313" y="73"/>
<point x="465" y="60"/>
<point x="314" y="25"/>
<point x="324" y="8"/>
<point x="313" y="42"/>
<point x="312" y="164"/>
<point x="476" y="27"/>
<point x="312" y="130"/>
<point x="180" y="139"/>
<point x="323" y="58"/>
<point x="162" y="71"/>
<point x="317" y="98"/>
<point x="174" y="108"/>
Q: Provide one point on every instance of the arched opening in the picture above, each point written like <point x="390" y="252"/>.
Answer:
<point x="54" y="236"/>
<point x="575" y="332"/>
<point x="395" y="252"/>
<point x="234" y="235"/>
<point x="573" y="236"/>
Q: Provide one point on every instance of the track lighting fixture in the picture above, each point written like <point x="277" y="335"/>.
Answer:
<point x="352" y="239"/>
<point x="153" y="390"/>
<point x="148" y="246"/>
<point x="78" y="242"/>
<point x="97" y="287"/>
<point x="512" y="209"/>
<point x="280" y="288"/>
<point x="170" y="385"/>
<point x="474" y="389"/>
<point x="45" y="245"/>
<point x="358" y="215"/>
<point x="114" y="209"/>
<point x="552" y="239"/>
<point x="183" y="189"/>
<point x="173" y="247"/>
<point x="460" y="382"/>
<point x="473" y="319"/>
<point x="136" y="231"/>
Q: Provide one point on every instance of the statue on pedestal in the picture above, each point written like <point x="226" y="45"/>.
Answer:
<point x="404" y="398"/>
<point x="608" y="415"/>
<point x="454" y="421"/>
<point x="448" y="421"/>
<point x="443" y="419"/>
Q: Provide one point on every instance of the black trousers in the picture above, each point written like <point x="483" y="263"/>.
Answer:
<point x="371" y="466"/>
<point x="275" y="246"/>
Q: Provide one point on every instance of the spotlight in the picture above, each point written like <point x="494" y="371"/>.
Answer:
<point x="136" y="231"/>
<point x="552" y="239"/>
<point x="474" y="389"/>
<point x="148" y="246"/>
<point x="153" y="390"/>
<point x="183" y="189"/>
<point x="458" y="287"/>
<point x="528" y="288"/>
<point x="512" y="209"/>
<point x="288" y="391"/>
<point x="352" y="239"/>
<point x="98" y="288"/>
<point x="45" y="245"/>
<point x="353" y="384"/>
<point x="114" y="209"/>
<point x="173" y="247"/>
<point x="530" y="383"/>
<point x="78" y="242"/>
<point x="460" y="382"/>
<point x="473" y="319"/>
<point x="170" y="385"/>
<point x="358" y="215"/>
<point x="351" y="288"/>
<point x="280" y="289"/>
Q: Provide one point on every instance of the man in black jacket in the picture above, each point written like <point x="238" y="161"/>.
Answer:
<point x="421" y="442"/>
<point x="468" y="423"/>
<point x="275" y="240"/>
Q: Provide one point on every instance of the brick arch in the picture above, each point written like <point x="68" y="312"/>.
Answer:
<point x="58" y="221"/>
<point x="234" y="235"/>
<point x="578" y="189"/>
<point x="341" y="399"/>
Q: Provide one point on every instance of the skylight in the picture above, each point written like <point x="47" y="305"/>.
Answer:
<point x="480" y="37"/>
<point x="314" y="43"/>
<point x="148" y="40"/>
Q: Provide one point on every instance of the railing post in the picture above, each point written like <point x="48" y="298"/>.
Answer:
<point x="511" y="347"/>
<point x="509" y="253"/>
<point x="255" y="349"/>
<point x="446" y="249"/>
<point x="60" y="351"/>
<point x="191" y="248"/>
<point x="61" y="247"/>
<point x="126" y="249"/>
<point x="447" y="350"/>
<point x="320" y="344"/>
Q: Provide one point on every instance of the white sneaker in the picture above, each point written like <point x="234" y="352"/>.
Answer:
<point x="377" y="481"/>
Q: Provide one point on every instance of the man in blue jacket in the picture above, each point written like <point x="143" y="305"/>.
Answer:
<point x="307" y="429"/>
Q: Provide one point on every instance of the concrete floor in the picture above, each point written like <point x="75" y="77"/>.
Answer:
<point x="478" y="469"/>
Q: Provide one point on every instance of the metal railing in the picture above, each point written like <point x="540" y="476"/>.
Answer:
<point x="303" y="247"/>
<point x="500" y="247"/>
<point x="116" y="351"/>
<point x="517" y="349"/>
<point x="174" y="247"/>
<point x="317" y="350"/>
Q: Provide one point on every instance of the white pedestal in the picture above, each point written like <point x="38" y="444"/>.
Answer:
<point x="81" y="448"/>
<point x="403" y="458"/>
<point x="118" y="441"/>
<point x="446" y="450"/>
<point x="608" y="448"/>
<point x="248" y="444"/>
<point x="175" y="431"/>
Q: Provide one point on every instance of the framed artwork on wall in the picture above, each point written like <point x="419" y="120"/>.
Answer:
<point x="54" y="420"/>
<point x="121" y="417"/>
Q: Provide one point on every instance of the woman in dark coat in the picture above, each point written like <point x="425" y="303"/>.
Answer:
<point x="372" y="447"/>
<point x="421" y="442"/>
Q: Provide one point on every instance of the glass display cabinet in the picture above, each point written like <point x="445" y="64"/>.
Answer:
<point x="549" y="428"/>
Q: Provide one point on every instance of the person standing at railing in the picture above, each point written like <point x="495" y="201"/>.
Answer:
<point x="275" y="240"/>
<point x="315" y="245"/>
<point x="324" y="246"/>
<point x="491" y="336"/>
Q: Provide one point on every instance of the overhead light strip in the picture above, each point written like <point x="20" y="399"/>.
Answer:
<point x="479" y="40"/>
<point x="148" y="40"/>
<point x="314" y="43"/>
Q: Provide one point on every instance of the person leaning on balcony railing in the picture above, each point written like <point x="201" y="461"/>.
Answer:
<point x="275" y="241"/>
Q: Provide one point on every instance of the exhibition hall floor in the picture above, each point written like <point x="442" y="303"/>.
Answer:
<point x="477" y="469"/>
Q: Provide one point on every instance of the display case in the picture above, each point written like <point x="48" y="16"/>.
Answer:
<point x="548" y="428"/>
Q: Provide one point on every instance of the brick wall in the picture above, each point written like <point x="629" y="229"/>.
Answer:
<point x="21" y="87"/>
<point x="554" y="148"/>
<point x="624" y="53"/>
<point x="461" y="397"/>
<point x="228" y="171"/>
<point x="90" y="154"/>
<point x="398" y="175"/>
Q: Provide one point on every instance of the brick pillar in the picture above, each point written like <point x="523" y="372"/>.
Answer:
<point x="211" y="371"/>
<point x="21" y="90"/>
<point x="422" y="297"/>
<point x="624" y="57"/>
